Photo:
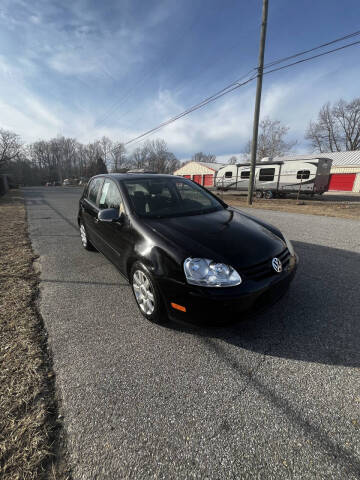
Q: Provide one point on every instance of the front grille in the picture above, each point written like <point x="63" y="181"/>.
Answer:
<point x="265" y="269"/>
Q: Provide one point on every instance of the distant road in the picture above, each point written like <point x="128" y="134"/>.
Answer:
<point x="275" y="397"/>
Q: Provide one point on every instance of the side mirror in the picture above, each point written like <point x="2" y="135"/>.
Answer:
<point x="110" y="215"/>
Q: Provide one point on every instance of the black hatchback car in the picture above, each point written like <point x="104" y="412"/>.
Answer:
<point x="186" y="253"/>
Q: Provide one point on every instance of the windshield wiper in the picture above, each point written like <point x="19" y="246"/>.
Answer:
<point x="182" y="214"/>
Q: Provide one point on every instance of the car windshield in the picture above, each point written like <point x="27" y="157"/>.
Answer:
<point x="169" y="197"/>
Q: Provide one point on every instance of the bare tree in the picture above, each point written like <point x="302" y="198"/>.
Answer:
<point x="139" y="157"/>
<point x="271" y="140"/>
<point x="155" y="155"/>
<point x="159" y="158"/>
<point x="337" y="127"/>
<point x="59" y="158"/>
<point x="233" y="160"/>
<point x="100" y="166"/>
<point x="119" y="159"/>
<point x="106" y="146"/>
<point x="203" y="157"/>
<point x="10" y="146"/>
<point x="211" y="158"/>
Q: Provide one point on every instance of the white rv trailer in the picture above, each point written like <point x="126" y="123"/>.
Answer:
<point x="277" y="178"/>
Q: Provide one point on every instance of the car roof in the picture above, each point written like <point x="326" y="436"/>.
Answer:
<point x="137" y="176"/>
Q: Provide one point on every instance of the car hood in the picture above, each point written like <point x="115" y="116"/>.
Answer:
<point x="224" y="236"/>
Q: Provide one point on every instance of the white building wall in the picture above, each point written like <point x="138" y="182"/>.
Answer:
<point x="194" y="168"/>
<point x="356" y="187"/>
<point x="355" y="169"/>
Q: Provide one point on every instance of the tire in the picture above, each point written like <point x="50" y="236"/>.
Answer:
<point x="258" y="194"/>
<point x="146" y="294"/>
<point x="269" y="194"/>
<point x="84" y="238"/>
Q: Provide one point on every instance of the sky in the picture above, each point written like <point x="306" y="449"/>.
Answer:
<point x="85" y="69"/>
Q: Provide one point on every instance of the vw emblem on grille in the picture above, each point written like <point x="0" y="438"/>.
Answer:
<point x="277" y="265"/>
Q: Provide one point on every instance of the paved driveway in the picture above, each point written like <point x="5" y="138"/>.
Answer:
<point x="271" y="398"/>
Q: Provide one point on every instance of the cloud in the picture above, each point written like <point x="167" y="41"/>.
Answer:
<point x="71" y="63"/>
<point x="226" y="125"/>
<point x="73" y="38"/>
<point x="222" y="128"/>
<point x="67" y="63"/>
<point x="35" y="19"/>
<point x="6" y="70"/>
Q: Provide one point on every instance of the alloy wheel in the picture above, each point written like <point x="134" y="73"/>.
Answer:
<point x="83" y="235"/>
<point x="143" y="292"/>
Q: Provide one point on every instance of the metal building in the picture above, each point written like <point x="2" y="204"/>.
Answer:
<point x="200" y="172"/>
<point x="345" y="170"/>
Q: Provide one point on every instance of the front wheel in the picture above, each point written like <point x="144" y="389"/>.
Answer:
<point x="146" y="294"/>
<point x="84" y="238"/>
<point x="269" y="194"/>
<point x="259" y="194"/>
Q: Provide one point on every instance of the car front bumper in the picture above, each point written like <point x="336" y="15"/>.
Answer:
<point x="206" y="304"/>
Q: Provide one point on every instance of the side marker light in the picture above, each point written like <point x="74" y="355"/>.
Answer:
<point x="178" y="307"/>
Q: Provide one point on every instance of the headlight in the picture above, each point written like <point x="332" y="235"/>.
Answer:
<point x="205" y="272"/>
<point x="289" y="245"/>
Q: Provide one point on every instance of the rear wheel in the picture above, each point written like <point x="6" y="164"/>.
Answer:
<point x="84" y="238"/>
<point x="269" y="194"/>
<point x="259" y="194"/>
<point x="146" y="294"/>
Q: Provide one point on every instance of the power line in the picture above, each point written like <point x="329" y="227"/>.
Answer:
<point x="204" y="102"/>
<point x="275" y="62"/>
<point x="314" y="56"/>
<point x="231" y="84"/>
<point x="231" y="87"/>
<point x="116" y="105"/>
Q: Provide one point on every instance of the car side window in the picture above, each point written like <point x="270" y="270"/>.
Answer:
<point x="93" y="190"/>
<point x="110" y="196"/>
<point x="228" y="174"/>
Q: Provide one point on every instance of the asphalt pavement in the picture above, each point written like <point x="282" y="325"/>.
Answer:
<point x="276" y="396"/>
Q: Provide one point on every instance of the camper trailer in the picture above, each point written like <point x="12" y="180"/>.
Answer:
<point x="278" y="178"/>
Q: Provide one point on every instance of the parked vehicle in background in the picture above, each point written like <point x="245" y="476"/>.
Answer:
<point x="70" y="181"/>
<point x="52" y="184"/>
<point x="277" y="178"/>
<point x="186" y="253"/>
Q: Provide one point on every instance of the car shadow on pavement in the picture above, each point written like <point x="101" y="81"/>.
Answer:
<point x="316" y="321"/>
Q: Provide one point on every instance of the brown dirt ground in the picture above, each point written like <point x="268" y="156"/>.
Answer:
<point x="312" y="207"/>
<point x="30" y="431"/>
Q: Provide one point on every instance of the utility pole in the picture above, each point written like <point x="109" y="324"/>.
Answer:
<point x="257" y="101"/>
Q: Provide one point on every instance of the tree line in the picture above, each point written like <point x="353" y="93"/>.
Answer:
<point x="337" y="128"/>
<point x="62" y="157"/>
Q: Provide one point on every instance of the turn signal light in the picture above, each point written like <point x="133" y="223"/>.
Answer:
<point x="178" y="307"/>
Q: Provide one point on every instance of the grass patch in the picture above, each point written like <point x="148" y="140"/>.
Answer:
<point x="30" y="433"/>
<point x="310" y="207"/>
